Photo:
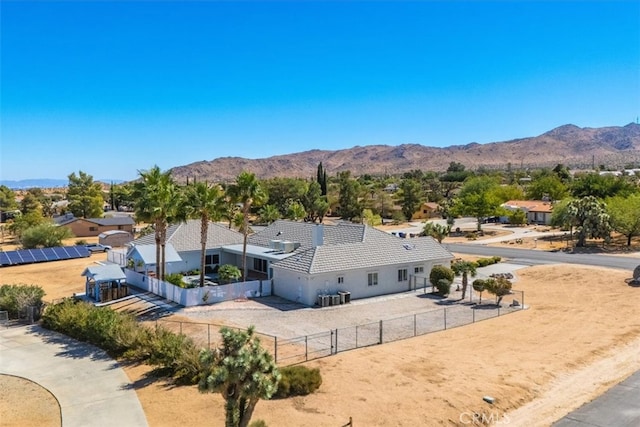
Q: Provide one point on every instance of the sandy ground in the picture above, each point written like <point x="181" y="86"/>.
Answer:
<point x="580" y="336"/>
<point x="23" y="403"/>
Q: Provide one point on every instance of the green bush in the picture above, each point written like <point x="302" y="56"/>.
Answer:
<point x="175" y="279"/>
<point x="439" y="272"/>
<point x="119" y="334"/>
<point x="80" y="242"/>
<point x="483" y="262"/>
<point x="258" y="423"/>
<point x="298" y="381"/>
<point x="16" y="298"/>
<point x="444" y="287"/>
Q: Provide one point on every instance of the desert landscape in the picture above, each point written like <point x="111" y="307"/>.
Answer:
<point x="579" y="336"/>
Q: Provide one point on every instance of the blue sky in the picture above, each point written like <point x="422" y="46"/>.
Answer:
<point x="111" y="88"/>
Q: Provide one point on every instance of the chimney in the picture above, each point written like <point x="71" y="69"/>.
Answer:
<point x="317" y="235"/>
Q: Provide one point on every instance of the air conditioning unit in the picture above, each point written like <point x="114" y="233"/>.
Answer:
<point x="275" y="244"/>
<point x="288" y="246"/>
<point x="335" y="299"/>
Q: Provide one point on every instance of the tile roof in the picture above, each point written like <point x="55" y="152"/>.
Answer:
<point x="530" y="205"/>
<point x="114" y="220"/>
<point x="148" y="253"/>
<point x="185" y="236"/>
<point x="376" y="249"/>
<point x="302" y="232"/>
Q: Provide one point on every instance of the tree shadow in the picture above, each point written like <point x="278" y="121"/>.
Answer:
<point x="72" y="348"/>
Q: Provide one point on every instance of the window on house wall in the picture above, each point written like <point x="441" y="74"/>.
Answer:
<point x="120" y="227"/>
<point x="402" y="275"/>
<point x="212" y="259"/>
<point x="93" y="228"/>
<point x="372" y="279"/>
<point x="340" y="280"/>
<point x="260" y="265"/>
<point x="418" y="270"/>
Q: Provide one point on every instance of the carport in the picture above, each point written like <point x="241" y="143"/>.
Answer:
<point x="105" y="282"/>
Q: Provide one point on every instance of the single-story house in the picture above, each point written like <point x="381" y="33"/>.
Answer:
<point x="304" y="260"/>
<point x="426" y="210"/>
<point x="115" y="238"/>
<point x="307" y="260"/>
<point x="105" y="282"/>
<point x="85" y="227"/>
<point x="537" y="211"/>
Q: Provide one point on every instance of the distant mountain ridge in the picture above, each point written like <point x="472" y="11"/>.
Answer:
<point x="46" y="183"/>
<point x="571" y="145"/>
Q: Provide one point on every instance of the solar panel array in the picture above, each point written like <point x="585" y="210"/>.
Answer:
<point x="29" y="256"/>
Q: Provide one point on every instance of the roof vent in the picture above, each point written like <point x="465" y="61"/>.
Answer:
<point x="408" y="247"/>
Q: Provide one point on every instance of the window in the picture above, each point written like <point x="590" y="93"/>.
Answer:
<point x="93" y="228"/>
<point x="418" y="270"/>
<point x="120" y="227"/>
<point x="212" y="259"/>
<point x="372" y="279"/>
<point x="402" y="275"/>
<point x="260" y="265"/>
<point x="340" y="280"/>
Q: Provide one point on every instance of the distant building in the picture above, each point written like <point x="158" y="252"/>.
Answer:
<point x="538" y="211"/>
<point x="87" y="227"/>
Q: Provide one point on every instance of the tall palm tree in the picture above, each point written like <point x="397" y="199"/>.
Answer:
<point x="159" y="202"/>
<point x="247" y="191"/>
<point x="206" y="202"/>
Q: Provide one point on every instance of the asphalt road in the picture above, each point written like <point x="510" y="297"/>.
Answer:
<point x="618" y="407"/>
<point x="529" y="256"/>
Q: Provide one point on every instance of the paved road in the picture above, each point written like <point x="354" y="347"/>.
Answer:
<point x="529" y="256"/>
<point x="618" y="407"/>
<point x="91" y="388"/>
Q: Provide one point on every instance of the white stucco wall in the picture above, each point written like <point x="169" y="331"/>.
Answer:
<point x="305" y="289"/>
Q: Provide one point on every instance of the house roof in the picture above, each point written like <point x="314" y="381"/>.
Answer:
<point x="376" y="249"/>
<point x="148" y="253"/>
<point x="115" y="220"/>
<point x="104" y="273"/>
<point x="112" y="232"/>
<point x="185" y="236"/>
<point x="302" y="232"/>
<point x="530" y="205"/>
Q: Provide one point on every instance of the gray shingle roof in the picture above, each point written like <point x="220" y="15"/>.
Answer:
<point x="376" y="249"/>
<point x="301" y="232"/>
<point x="186" y="236"/>
<point x="114" y="220"/>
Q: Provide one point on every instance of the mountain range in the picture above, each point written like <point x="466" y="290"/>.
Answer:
<point x="575" y="147"/>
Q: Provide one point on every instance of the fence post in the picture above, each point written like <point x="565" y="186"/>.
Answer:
<point x="275" y="349"/>
<point x="209" y="335"/>
<point x="474" y="315"/>
<point x="306" y="348"/>
<point x="522" y="306"/>
<point x="414" y="324"/>
<point x="331" y="342"/>
<point x="336" y="340"/>
<point x="498" y="310"/>
<point x="445" y="318"/>
<point x="380" y="332"/>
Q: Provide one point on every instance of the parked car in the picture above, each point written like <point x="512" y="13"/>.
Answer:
<point x="97" y="247"/>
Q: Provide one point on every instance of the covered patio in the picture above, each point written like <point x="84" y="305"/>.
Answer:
<point x="105" y="282"/>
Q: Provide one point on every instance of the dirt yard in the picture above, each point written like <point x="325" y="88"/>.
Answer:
<point x="580" y="336"/>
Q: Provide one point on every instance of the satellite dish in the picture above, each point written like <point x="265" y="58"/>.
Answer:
<point x="636" y="273"/>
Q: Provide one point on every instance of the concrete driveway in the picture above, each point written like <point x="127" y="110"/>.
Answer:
<point x="91" y="388"/>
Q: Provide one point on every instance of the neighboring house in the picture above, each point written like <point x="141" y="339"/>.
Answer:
<point x="185" y="239"/>
<point x="538" y="211"/>
<point x="426" y="210"/>
<point x="115" y="238"/>
<point x="86" y="227"/>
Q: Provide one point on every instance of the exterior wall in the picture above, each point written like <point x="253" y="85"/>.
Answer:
<point x="116" y="240"/>
<point x="425" y="212"/>
<point x="539" y="218"/>
<point x="305" y="289"/>
<point x="192" y="258"/>
<point x="83" y="228"/>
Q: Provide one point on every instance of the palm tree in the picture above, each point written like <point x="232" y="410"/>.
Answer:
<point x="206" y="202"/>
<point x="464" y="269"/>
<point x="159" y="202"/>
<point x="248" y="192"/>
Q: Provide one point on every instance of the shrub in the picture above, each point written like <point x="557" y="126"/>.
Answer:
<point x="439" y="272"/>
<point x="499" y="287"/>
<point x="298" y="381"/>
<point x="444" y="287"/>
<point x="175" y="279"/>
<point x="483" y="262"/>
<point x="258" y="423"/>
<point x="80" y="242"/>
<point x="16" y="298"/>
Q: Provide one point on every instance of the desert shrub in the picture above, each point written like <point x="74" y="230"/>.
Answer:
<point x="499" y="287"/>
<point x="298" y="381"/>
<point x="258" y="423"/>
<point x="483" y="262"/>
<point x="174" y="355"/>
<point x="16" y="298"/>
<point x="175" y="279"/>
<point x="439" y="272"/>
<point x="443" y="286"/>
<point x="80" y="242"/>
<point x="471" y="235"/>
